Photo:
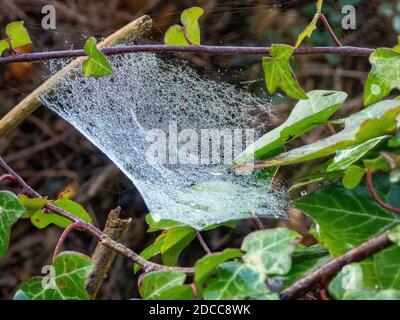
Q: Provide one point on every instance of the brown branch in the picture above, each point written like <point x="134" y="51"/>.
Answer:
<point x="104" y="257"/>
<point x="92" y="230"/>
<point x="326" y="272"/>
<point x="22" y="110"/>
<point x="202" y="49"/>
<point x="375" y="196"/>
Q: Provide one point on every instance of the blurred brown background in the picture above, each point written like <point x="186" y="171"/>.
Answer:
<point x="54" y="158"/>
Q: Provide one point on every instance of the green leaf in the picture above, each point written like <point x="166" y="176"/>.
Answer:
<point x="349" y="285"/>
<point x="41" y="219"/>
<point x="71" y="270"/>
<point x="377" y="164"/>
<point x="175" y="35"/>
<point x="345" y="158"/>
<point x="190" y="20"/>
<point x="384" y="76"/>
<point x="176" y="240"/>
<point x="308" y="31"/>
<point x="278" y="73"/>
<point x="269" y="251"/>
<point x="394" y="235"/>
<point x="183" y="292"/>
<point x="31" y="204"/>
<point x="304" y="261"/>
<point x="346" y="218"/>
<point x="387" y="266"/>
<point x="18" y="34"/>
<point x="11" y="209"/>
<point x="372" y="122"/>
<point x="154" y="284"/>
<point x="170" y="244"/>
<point x="97" y="64"/>
<point x="3" y="46"/>
<point x="160" y="224"/>
<point x="205" y="266"/>
<point x="235" y="281"/>
<point x="353" y="177"/>
<point x="306" y="115"/>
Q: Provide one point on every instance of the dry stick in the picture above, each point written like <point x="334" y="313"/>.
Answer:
<point x="80" y="224"/>
<point x="22" y="110"/>
<point x="104" y="257"/>
<point x="329" y="270"/>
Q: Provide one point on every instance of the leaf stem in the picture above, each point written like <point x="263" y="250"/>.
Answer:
<point x="375" y="196"/>
<point x="63" y="236"/>
<point x="329" y="29"/>
<point x="203" y="243"/>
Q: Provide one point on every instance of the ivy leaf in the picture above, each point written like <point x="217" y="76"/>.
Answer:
<point x="41" y="219"/>
<point x="345" y="158"/>
<point x="304" y="261"/>
<point x="308" y="31"/>
<point x="205" y="266"/>
<point x="97" y="64"/>
<point x="269" y="251"/>
<point x="383" y="77"/>
<point x="160" y="224"/>
<point x="190" y="20"/>
<point x="387" y="266"/>
<point x="278" y="73"/>
<point x="346" y="218"/>
<point x="18" y="34"/>
<point x="31" y="204"/>
<point x="71" y="269"/>
<point x="11" y="209"/>
<point x="3" y="46"/>
<point x="183" y="292"/>
<point x="154" y="284"/>
<point x="394" y="235"/>
<point x="306" y="115"/>
<point x="372" y="122"/>
<point x="175" y="35"/>
<point x="352" y="177"/>
<point x="236" y="281"/>
<point x="170" y="244"/>
<point x="349" y="285"/>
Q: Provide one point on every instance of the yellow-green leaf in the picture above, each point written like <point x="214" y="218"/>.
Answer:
<point x="97" y="64"/>
<point x="18" y="34"/>
<point x="278" y="73"/>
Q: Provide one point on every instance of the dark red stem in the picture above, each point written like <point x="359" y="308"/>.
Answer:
<point x="375" y="196"/>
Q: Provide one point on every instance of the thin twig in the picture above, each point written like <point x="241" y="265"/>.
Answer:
<point x="202" y="49"/>
<point x="329" y="29"/>
<point x="62" y="238"/>
<point x="329" y="270"/>
<point x="92" y="230"/>
<point x="203" y="243"/>
<point x="375" y="196"/>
